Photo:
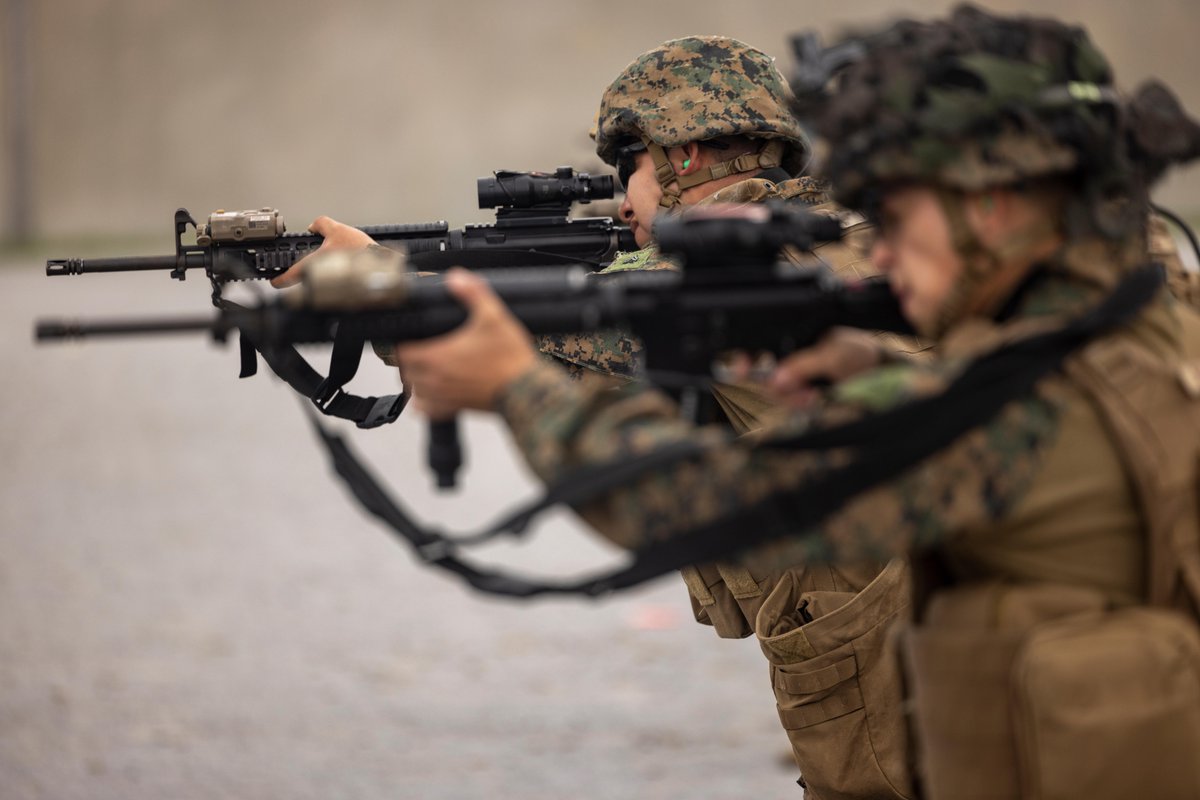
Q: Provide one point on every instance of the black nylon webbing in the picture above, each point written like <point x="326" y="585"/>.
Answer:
<point x="324" y="391"/>
<point x="979" y="393"/>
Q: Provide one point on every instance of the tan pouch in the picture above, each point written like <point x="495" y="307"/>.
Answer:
<point x="959" y="684"/>
<point x="959" y="661"/>
<point x="726" y="597"/>
<point x="1109" y="708"/>
<point x="1040" y="693"/>
<point x="837" y="685"/>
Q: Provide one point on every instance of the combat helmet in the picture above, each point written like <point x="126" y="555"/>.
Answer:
<point x="978" y="101"/>
<point x="700" y="89"/>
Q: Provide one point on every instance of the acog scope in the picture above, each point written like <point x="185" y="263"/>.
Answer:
<point x="537" y="189"/>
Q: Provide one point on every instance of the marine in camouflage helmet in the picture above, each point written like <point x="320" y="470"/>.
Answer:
<point x="975" y="103"/>
<point x="700" y="89"/>
<point x="723" y="111"/>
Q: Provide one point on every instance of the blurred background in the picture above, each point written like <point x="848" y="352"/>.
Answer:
<point x="189" y="606"/>
<point x="119" y="111"/>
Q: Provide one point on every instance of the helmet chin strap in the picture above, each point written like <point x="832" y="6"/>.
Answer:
<point x="673" y="184"/>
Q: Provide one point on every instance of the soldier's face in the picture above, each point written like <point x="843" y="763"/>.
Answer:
<point x="914" y="248"/>
<point x="642" y="193"/>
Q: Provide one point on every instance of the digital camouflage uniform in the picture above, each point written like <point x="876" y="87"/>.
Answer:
<point x="613" y="353"/>
<point x="704" y="87"/>
<point x="1049" y="661"/>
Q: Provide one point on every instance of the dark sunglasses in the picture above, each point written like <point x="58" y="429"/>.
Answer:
<point x="627" y="163"/>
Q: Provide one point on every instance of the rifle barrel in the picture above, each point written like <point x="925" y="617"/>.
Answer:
<point x="78" y="266"/>
<point x="51" y="330"/>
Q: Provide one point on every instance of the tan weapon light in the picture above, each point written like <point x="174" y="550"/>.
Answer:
<point x="240" y="226"/>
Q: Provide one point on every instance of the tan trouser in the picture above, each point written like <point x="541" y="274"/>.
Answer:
<point x="838" y="685"/>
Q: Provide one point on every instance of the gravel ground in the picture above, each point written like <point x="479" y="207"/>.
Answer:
<point x="190" y="607"/>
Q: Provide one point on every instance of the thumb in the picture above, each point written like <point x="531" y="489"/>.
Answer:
<point x="472" y="291"/>
<point x="321" y="225"/>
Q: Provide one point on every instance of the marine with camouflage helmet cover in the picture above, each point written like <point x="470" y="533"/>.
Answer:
<point x="1076" y="682"/>
<point x="704" y="120"/>
<point x="696" y="120"/>
<point x="1026" y="103"/>
<point x="696" y="99"/>
<point x="1058" y="540"/>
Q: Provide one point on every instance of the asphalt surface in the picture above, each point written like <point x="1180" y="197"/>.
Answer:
<point x="191" y="607"/>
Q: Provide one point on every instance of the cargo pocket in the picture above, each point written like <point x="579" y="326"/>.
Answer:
<point x="838" y="688"/>
<point x="813" y="696"/>
<point x="1109" y="707"/>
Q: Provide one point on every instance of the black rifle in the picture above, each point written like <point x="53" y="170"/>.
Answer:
<point x="532" y="227"/>
<point x="733" y="293"/>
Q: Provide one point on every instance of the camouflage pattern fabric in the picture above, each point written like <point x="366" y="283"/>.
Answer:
<point x="614" y="353"/>
<point x="606" y="352"/>
<point x="976" y="100"/>
<point x="961" y="492"/>
<point x="697" y="88"/>
<point x="1036" y="494"/>
<point x="925" y="104"/>
<point x="558" y="426"/>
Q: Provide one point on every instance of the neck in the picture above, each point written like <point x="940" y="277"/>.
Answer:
<point x="1011" y="263"/>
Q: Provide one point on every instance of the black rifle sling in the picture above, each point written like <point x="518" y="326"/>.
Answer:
<point x="886" y="444"/>
<point x="324" y="391"/>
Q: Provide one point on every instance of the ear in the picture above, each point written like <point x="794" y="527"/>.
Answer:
<point x="689" y="155"/>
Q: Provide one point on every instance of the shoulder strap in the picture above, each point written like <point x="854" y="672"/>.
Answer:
<point x="1142" y="396"/>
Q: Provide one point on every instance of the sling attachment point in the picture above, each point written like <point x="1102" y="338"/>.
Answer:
<point x="385" y="410"/>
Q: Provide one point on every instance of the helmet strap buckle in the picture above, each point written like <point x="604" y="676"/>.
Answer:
<point x="674" y="184"/>
<point x="664" y="173"/>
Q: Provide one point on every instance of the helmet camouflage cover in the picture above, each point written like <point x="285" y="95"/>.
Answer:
<point x="698" y="88"/>
<point x="978" y="100"/>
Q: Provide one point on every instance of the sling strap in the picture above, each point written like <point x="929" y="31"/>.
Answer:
<point x="325" y="391"/>
<point x="925" y="426"/>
